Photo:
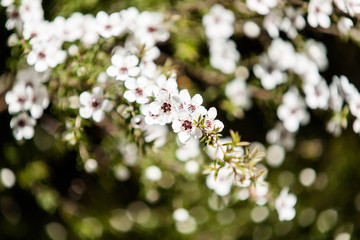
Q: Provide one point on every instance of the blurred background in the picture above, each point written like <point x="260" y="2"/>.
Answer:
<point x="45" y="192"/>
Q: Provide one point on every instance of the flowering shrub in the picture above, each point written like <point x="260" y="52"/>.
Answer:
<point x="139" y="110"/>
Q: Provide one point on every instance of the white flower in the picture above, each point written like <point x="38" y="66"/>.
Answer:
<point x="293" y="110"/>
<point x="280" y="136"/>
<point x="186" y="105"/>
<point x="139" y="90"/>
<point x="166" y="83"/>
<point x="223" y="182"/>
<point x="336" y="100"/>
<point x="23" y="126"/>
<point x="44" y="57"/>
<point x="317" y="96"/>
<point x="39" y="101"/>
<point x="109" y="25"/>
<point x="292" y="22"/>
<point x="13" y="16"/>
<point x="346" y="89"/>
<point x="218" y="22"/>
<point x="317" y="52"/>
<point x="210" y="122"/>
<point x="89" y="34"/>
<point x="69" y="29"/>
<point x="269" y="74"/>
<point x="31" y="11"/>
<point x="123" y="67"/>
<point x="190" y="149"/>
<point x="251" y="29"/>
<point x="307" y="69"/>
<point x="351" y="7"/>
<point x="163" y="109"/>
<point x="354" y="105"/>
<point x="150" y="28"/>
<point x="319" y="12"/>
<point x="17" y="99"/>
<point x="94" y="105"/>
<point x="224" y="55"/>
<point x="185" y="128"/>
<point x="6" y="3"/>
<point x="272" y="23"/>
<point x="129" y="17"/>
<point x="284" y="205"/>
<point x="282" y="53"/>
<point x="238" y="93"/>
<point x="261" y="6"/>
<point x="344" y="25"/>
<point x="356" y="126"/>
<point x="156" y="134"/>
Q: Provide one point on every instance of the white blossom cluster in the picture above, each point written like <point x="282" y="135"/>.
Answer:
<point x="28" y="95"/>
<point x="219" y="28"/>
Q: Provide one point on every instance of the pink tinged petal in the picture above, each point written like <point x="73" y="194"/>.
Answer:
<point x="111" y="71"/>
<point x="130" y="96"/>
<point x="97" y="92"/>
<point x="98" y="115"/>
<point x="27" y="132"/>
<point x="85" y="98"/>
<point x="197" y="99"/>
<point x="107" y="105"/>
<point x="86" y="112"/>
<point x="183" y="137"/>
<point x="176" y="125"/>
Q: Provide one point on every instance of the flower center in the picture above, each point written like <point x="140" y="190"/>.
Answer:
<point x="41" y="55"/>
<point x="95" y="103"/>
<point x="151" y="29"/>
<point x="123" y="70"/>
<point x="187" y="125"/>
<point x="166" y="107"/>
<point x="139" y="91"/>
<point x="208" y="123"/>
<point x="21" y="123"/>
<point x="191" y="108"/>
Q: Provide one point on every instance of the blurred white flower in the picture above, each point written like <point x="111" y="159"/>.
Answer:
<point x="123" y="67"/>
<point x="23" y="126"/>
<point x="268" y="73"/>
<point x="344" y="25"/>
<point x="238" y="93"/>
<point x="251" y="29"/>
<point x="150" y="28"/>
<point x="351" y="7"/>
<point x="292" y="111"/>
<point x="6" y="3"/>
<point x="292" y="22"/>
<point x="223" y="182"/>
<point x="190" y="149"/>
<point x="153" y="173"/>
<point x="261" y="6"/>
<point x="284" y="205"/>
<point x="139" y="90"/>
<point x="218" y="22"/>
<point x="319" y="12"/>
<point x="272" y="23"/>
<point x="280" y="136"/>
<point x="224" y="55"/>
<point x="317" y="52"/>
<point x="94" y="105"/>
<point x="109" y="25"/>
<point x="317" y="96"/>
<point x="282" y="53"/>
